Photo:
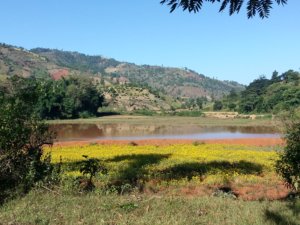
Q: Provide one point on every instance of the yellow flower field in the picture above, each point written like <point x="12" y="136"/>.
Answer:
<point x="205" y="163"/>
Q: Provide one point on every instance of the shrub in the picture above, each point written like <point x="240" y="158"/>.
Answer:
<point x="22" y="137"/>
<point x="90" y="167"/>
<point x="218" y="105"/>
<point x="189" y="113"/>
<point x="288" y="165"/>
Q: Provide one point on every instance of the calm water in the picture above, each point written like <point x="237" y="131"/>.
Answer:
<point x="76" y="132"/>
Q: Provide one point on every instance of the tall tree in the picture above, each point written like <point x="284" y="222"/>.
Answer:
<point x="22" y="138"/>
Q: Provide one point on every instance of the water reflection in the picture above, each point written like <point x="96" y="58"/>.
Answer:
<point x="71" y="132"/>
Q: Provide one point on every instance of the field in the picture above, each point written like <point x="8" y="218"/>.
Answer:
<point x="192" y="169"/>
<point x="195" y="183"/>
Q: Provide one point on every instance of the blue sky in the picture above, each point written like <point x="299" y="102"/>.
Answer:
<point x="144" y="32"/>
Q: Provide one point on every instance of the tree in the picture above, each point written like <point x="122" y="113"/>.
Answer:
<point x="275" y="77"/>
<point x="90" y="167"/>
<point x="288" y="165"/>
<point x="232" y="94"/>
<point x="199" y="102"/>
<point x="72" y="97"/>
<point x="232" y="106"/>
<point x="82" y="98"/>
<point x="251" y="98"/>
<point x="260" y="7"/>
<point x="22" y="137"/>
<point x="218" y="105"/>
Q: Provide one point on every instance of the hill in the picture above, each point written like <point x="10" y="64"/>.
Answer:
<point x="279" y="94"/>
<point x="56" y="63"/>
<point x="172" y="81"/>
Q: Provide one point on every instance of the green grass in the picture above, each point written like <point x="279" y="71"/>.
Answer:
<point x="39" y="207"/>
<point x="169" y="120"/>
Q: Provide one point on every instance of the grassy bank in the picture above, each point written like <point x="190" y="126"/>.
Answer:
<point x="40" y="207"/>
<point x="170" y="120"/>
<point x="174" y="184"/>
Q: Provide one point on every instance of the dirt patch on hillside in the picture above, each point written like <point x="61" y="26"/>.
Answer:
<point x="57" y="74"/>
<point x="164" y="142"/>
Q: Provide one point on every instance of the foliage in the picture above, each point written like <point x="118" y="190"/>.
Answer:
<point x="288" y="165"/>
<point x="251" y="97"/>
<point x="195" y="103"/>
<point x="280" y="93"/>
<point x="193" y="113"/>
<point x="217" y="105"/>
<point x="22" y="137"/>
<point x="68" y="98"/>
<point x="261" y="7"/>
<point x="91" y="166"/>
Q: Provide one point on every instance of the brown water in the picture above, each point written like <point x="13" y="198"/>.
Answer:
<point x="82" y="132"/>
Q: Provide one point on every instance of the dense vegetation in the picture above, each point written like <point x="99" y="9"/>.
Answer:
<point x="288" y="165"/>
<point x="278" y="94"/>
<point x="68" y="98"/>
<point x="22" y="136"/>
<point x="65" y="98"/>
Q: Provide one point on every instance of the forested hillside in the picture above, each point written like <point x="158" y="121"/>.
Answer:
<point x="280" y="93"/>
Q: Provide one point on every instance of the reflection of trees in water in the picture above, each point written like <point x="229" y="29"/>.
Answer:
<point x="141" y="130"/>
<point x="71" y="131"/>
<point x="251" y="130"/>
<point x="130" y="129"/>
<point x="86" y="131"/>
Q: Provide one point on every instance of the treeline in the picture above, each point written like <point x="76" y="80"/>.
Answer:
<point x="76" y="60"/>
<point x="71" y="97"/>
<point x="280" y="93"/>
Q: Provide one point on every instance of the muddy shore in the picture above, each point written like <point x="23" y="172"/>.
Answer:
<point x="163" y="142"/>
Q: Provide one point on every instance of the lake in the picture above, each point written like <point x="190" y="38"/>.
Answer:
<point x="124" y="131"/>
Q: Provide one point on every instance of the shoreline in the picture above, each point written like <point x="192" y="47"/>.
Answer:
<point x="164" y="142"/>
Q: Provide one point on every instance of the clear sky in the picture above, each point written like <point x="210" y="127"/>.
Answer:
<point x="144" y="32"/>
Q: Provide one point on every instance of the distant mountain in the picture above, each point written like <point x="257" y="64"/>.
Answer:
<point x="174" y="82"/>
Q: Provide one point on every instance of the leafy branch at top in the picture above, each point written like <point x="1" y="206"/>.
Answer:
<point x="260" y="7"/>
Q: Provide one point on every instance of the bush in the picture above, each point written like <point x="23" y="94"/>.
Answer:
<point x="90" y="167"/>
<point x="218" y="105"/>
<point x="22" y="137"/>
<point x="189" y="113"/>
<point x="288" y="165"/>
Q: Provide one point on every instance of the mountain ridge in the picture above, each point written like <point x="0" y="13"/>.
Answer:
<point x="176" y="82"/>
